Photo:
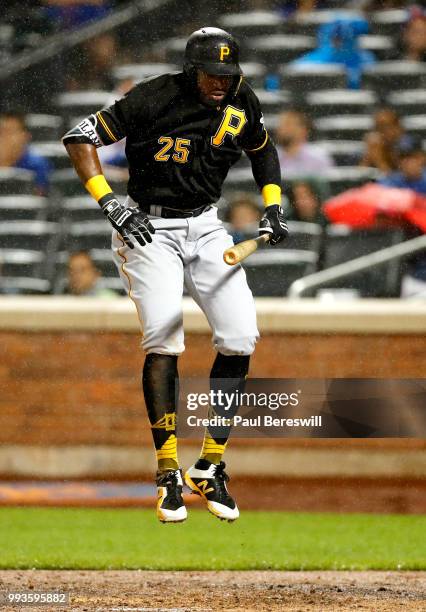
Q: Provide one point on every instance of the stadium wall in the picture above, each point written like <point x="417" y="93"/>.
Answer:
<point x="71" y="404"/>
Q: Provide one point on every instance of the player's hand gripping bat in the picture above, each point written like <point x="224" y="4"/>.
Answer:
<point x="240" y="251"/>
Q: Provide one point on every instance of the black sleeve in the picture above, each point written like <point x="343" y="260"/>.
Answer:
<point x="113" y="123"/>
<point x="265" y="165"/>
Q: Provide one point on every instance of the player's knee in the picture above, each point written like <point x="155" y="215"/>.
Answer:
<point x="236" y="346"/>
<point x="153" y="343"/>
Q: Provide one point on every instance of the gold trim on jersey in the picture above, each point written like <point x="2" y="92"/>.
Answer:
<point x="261" y="146"/>
<point x="105" y="126"/>
<point x="238" y="86"/>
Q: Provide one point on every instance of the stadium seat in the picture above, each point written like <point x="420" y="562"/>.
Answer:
<point x="24" y="285"/>
<point x="303" y="236"/>
<point x="389" y="22"/>
<point x="14" y="181"/>
<point x="301" y="78"/>
<point x="82" y="103"/>
<point x="44" y="128"/>
<point x="253" y="23"/>
<point x="65" y="183"/>
<point x="138" y="72"/>
<point x="174" y="49"/>
<point x="278" y="48"/>
<point x="381" y="46"/>
<point x="343" y="152"/>
<point x="271" y="272"/>
<point x="308" y="23"/>
<point x="343" y="244"/>
<point x="346" y="177"/>
<point x="21" y="262"/>
<point x="240" y="179"/>
<point x="393" y="76"/>
<point x="53" y="151"/>
<point x="408" y="102"/>
<point x="274" y="101"/>
<point x="272" y="121"/>
<point x="416" y="125"/>
<point x="340" y="102"/>
<point x="116" y="180"/>
<point x="23" y="208"/>
<point x="116" y="284"/>
<point x="60" y="284"/>
<point x="7" y="40"/>
<point x="104" y="261"/>
<point x="33" y="235"/>
<point x="343" y="127"/>
<point x="89" y="235"/>
<point x="254" y="73"/>
<point x="82" y="208"/>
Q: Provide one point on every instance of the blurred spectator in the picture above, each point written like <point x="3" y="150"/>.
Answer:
<point x="66" y="14"/>
<point x="297" y="156"/>
<point x="413" y="43"/>
<point x="243" y="216"/>
<point x="17" y="152"/>
<point x="338" y="44"/>
<point x="292" y="7"/>
<point x="305" y="199"/>
<point x="411" y="173"/>
<point x="84" y="277"/>
<point x="91" y="65"/>
<point x="382" y="145"/>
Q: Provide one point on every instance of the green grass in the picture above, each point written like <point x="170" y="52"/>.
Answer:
<point x="118" y="539"/>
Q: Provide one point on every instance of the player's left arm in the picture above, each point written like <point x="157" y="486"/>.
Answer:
<point x="265" y="165"/>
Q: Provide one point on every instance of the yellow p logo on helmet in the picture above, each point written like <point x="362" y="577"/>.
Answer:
<point x="224" y="52"/>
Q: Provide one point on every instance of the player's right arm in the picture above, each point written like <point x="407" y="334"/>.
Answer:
<point x="81" y="143"/>
<point x="266" y="170"/>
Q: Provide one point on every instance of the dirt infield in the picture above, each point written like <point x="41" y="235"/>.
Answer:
<point x="91" y="591"/>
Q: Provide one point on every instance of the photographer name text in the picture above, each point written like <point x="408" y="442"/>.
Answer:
<point x="265" y="420"/>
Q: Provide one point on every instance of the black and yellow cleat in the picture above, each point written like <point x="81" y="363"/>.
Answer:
<point x="170" y="505"/>
<point x="209" y="480"/>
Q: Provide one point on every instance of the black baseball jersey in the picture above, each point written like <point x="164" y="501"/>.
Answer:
<point x="179" y="151"/>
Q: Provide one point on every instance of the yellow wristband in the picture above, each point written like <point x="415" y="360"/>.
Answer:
<point x="271" y="194"/>
<point x="98" y="187"/>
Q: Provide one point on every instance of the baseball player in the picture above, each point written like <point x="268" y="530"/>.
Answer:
<point x="184" y="131"/>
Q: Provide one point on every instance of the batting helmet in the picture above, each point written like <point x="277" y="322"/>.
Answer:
<point x="213" y="51"/>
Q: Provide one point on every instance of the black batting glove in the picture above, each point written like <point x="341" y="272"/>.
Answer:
<point x="129" y="222"/>
<point x="273" y="223"/>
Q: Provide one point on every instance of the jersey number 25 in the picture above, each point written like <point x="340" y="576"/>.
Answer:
<point x="181" y="150"/>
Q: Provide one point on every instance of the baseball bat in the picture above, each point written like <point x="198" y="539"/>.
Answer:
<point x="240" y="251"/>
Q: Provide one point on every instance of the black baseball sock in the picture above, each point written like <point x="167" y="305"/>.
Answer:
<point x="224" y="366"/>
<point x="158" y="380"/>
